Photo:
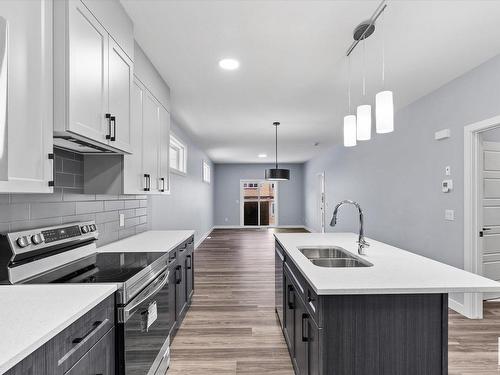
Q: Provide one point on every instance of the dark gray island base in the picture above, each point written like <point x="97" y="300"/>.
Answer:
<point x="383" y="334"/>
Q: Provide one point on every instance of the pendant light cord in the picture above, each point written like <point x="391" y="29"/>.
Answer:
<point x="276" y="139"/>
<point x="383" y="51"/>
<point x="349" y="83"/>
<point x="364" y="66"/>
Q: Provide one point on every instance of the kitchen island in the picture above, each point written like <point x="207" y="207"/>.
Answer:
<point x="387" y="316"/>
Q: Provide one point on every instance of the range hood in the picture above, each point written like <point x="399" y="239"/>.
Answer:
<point x="82" y="145"/>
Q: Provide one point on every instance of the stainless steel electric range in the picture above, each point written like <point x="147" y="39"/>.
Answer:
<point x="67" y="254"/>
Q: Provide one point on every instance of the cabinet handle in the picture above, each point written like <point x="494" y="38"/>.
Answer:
<point x="309" y="298"/>
<point x="113" y="120"/>
<point x="179" y="279"/>
<point x="162" y="184"/>
<point x="291" y="303"/>
<point x="305" y="318"/>
<point x="108" y="117"/>
<point x="147" y="182"/>
<point x="183" y="248"/>
<point x="190" y="262"/>
<point x="95" y="327"/>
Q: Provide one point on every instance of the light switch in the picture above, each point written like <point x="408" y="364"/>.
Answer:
<point x="449" y="215"/>
<point x="122" y="220"/>
<point x="447" y="170"/>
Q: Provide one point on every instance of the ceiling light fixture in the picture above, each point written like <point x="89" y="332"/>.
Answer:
<point x="384" y="102"/>
<point x="229" y="64"/>
<point x="359" y="127"/>
<point x="262" y="155"/>
<point x="277" y="174"/>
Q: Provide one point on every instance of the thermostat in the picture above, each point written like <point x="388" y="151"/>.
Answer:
<point x="447" y="186"/>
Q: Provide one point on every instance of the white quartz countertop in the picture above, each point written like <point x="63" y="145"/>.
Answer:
<point x="33" y="314"/>
<point x="153" y="240"/>
<point x="394" y="271"/>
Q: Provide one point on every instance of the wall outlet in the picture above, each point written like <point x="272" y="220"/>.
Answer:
<point x="449" y="215"/>
<point x="122" y="220"/>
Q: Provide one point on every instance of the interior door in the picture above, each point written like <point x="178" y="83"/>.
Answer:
<point x="150" y="141"/>
<point x="88" y="74"/>
<point x="490" y="203"/>
<point x="120" y="96"/>
<point x="26" y="101"/>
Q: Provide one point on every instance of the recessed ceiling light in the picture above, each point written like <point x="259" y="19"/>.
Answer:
<point x="229" y="64"/>
<point x="262" y="155"/>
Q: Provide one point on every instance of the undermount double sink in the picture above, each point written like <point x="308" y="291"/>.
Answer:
<point x="332" y="256"/>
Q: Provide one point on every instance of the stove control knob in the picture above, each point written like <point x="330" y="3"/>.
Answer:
<point x="37" y="239"/>
<point x="85" y="229"/>
<point x="23" y="241"/>
<point x="93" y="227"/>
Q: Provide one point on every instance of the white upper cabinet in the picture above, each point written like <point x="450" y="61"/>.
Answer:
<point x="121" y="77"/>
<point x="25" y="96"/>
<point x="147" y="171"/>
<point x="93" y="79"/>
<point x="164" y="166"/>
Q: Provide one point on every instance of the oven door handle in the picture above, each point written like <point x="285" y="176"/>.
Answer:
<point x="133" y="305"/>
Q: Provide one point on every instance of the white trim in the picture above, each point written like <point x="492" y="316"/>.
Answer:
<point x="203" y="238"/>
<point x="178" y="143"/>
<point x="473" y="302"/>
<point x="456" y="306"/>
<point x="259" y="226"/>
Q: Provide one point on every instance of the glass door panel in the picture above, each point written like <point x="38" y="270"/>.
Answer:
<point x="259" y="203"/>
<point x="251" y="213"/>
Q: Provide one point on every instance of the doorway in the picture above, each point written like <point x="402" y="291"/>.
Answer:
<point x="481" y="207"/>
<point x="258" y="203"/>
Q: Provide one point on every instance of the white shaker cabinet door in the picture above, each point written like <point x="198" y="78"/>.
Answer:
<point x="120" y="87"/>
<point x="88" y="74"/>
<point x="150" y="140"/>
<point x="164" y="167"/>
<point x="133" y="180"/>
<point x="25" y="96"/>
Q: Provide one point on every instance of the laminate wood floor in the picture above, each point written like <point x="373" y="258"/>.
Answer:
<point x="231" y="327"/>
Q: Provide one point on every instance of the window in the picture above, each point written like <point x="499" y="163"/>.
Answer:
<point x="206" y="172"/>
<point x="178" y="155"/>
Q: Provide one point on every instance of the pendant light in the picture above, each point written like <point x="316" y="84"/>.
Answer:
<point x="364" y="111"/>
<point x="350" y="119"/>
<point x="277" y="174"/>
<point x="384" y="102"/>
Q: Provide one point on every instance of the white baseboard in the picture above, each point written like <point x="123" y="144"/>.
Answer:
<point x="258" y="226"/>
<point x="203" y="237"/>
<point x="457" y="306"/>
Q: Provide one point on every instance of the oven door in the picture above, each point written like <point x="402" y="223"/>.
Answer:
<point x="143" y="330"/>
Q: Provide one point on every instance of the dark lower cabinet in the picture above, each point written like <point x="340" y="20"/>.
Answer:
<point x="172" y="288"/>
<point x="34" y="364"/>
<point x="98" y="360"/>
<point x="189" y="264"/>
<point x="383" y="334"/>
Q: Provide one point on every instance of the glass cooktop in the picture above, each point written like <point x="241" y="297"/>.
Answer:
<point x="111" y="267"/>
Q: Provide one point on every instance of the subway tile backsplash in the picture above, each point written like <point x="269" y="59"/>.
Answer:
<point x="68" y="204"/>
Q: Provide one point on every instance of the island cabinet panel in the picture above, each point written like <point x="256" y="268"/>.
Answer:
<point x="34" y="364"/>
<point x="383" y="334"/>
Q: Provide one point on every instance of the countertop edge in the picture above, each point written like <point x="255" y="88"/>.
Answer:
<point x="11" y="362"/>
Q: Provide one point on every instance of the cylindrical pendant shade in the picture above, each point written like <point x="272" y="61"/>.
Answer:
<point x="350" y="131"/>
<point x="384" y="112"/>
<point x="364" y="122"/>
<point x="277" y="174"/>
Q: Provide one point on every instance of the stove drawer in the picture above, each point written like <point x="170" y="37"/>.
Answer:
<point x="64" y="350"/>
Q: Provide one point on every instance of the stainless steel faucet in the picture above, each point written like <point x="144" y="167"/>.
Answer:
<point x="361" y="239"/>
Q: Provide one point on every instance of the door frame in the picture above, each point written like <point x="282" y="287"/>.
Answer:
<point x="322" y="196"/>
<point x="473" y="302"/>
<point x="242" y="202"/>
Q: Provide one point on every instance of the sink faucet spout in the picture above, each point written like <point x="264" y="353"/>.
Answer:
<point x="361" y="238"/>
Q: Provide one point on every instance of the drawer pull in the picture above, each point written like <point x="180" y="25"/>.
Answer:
<point x="305" y="318"/>
<point x="95" y="326"/>
<point x="291" y="302"/>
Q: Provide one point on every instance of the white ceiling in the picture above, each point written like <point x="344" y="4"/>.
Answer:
<point x="293" y="67"/>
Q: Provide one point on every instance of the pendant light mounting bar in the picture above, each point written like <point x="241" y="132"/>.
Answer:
<point x="369" y="26"/>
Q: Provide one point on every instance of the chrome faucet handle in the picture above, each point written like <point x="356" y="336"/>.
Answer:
<point x="361" y="246"/>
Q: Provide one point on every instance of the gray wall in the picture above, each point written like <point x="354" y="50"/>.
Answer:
<point x="190" y="204"/>
<point x="68" y="204"/>
<point x="227" y="192"/>
<point x="396" y="177"/>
